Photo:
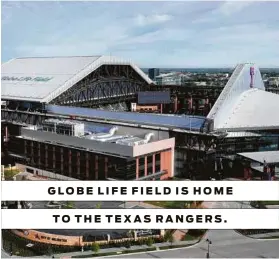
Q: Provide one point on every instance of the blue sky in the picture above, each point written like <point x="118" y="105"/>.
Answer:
<point x="152" y="34"/>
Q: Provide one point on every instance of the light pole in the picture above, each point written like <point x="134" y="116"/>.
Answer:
<point x="208" y="244"/>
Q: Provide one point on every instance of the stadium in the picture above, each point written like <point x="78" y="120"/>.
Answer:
<point x="71" y="118"/>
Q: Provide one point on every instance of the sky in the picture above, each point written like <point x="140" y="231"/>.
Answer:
<point x="151" y="34"/>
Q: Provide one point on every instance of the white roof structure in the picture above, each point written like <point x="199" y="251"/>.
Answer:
<point x="244" y="104"/>
<point x="242" y="134"/>
<point x="253" y="110"/>
<point x="271" y="157"/>
<point x="43" y="79"/>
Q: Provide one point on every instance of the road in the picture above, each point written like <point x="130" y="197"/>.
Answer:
<point x="225" y="244"/>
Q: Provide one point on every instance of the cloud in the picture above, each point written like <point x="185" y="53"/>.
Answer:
<point x="144" y="20"/>
<point x="231" y="7"/>
<point x="183" y="34"/>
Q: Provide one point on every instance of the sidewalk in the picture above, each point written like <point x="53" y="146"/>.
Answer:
<point x="270" y="235"/>
<point x="120" y="249"/>
<point x="272" y="206"/>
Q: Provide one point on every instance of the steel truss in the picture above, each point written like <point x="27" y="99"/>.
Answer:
<point x="22" y="117"/>
<point x="109" y="82"/>
<point x="196" y="142"/>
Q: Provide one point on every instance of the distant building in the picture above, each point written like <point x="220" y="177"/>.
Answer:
<point x="173" y="78"/>
<point x="273" y="81"/>
<point x="153" y="72"/>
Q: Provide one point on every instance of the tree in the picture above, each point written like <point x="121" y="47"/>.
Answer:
<point x="150" y="241"/>
<point x="98" y="205"/>
<point x="95" y="248"/>
<point x="131" y="233"/>
<point x="70" y="204"/>
<point x="169" y="237"/>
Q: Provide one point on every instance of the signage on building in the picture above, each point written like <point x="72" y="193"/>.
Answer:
<point x="26" y="78"/>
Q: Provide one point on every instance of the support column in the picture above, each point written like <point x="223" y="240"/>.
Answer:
<point x="106" y="167"/>
<point x="145" y="166"/>
<point x="62" y="160"/>
<point x="175" y="104"/>
<point x="46" y="156"/>
<point x="137" y="168"/>
<point x="190" y="103"/>
<point x="25" y="148"/>
<point x="153" y="164"/>
<point x="6" y="134"/>
<point x="70" y="163"/>
<point x="53" y="158"/>
<point x="78" y="164"/>
<point x="39" y="154"/>
<point x="96" y="168"/>
<point x="32" y="152"/>
<point x="161" y="108"/>
<point x="87" y="166"/>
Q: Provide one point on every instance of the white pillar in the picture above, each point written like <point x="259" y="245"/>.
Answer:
<point x="19" y="205"/>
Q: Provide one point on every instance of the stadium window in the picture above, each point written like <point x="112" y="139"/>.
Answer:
<point x="157" y="162"/>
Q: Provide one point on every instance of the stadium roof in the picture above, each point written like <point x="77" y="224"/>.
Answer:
<point x="253" y="110"/>
<point x="244" y="104"/>
<point x="193" y="123"/>
<point x="271" y="157"/>
<point x="42" y="79"/>
<point x="238" y="83"/>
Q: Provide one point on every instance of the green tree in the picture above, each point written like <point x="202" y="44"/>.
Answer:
<point x="130" y="233"/>
<point x="70" y="205"/>
<point x="169" y="237"/>
<point x="95" y="248"/>
<point x="98" y="205"/>
<point x="150" y="241"/>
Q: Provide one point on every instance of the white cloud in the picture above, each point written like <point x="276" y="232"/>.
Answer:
<point x="143" y="20"/>
<point x="188" y="34"/>
<point x="231" y="7"/>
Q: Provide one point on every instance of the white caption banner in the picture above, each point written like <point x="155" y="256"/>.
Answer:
<point x="140" y="190"/>
<point x="141" y="219"/>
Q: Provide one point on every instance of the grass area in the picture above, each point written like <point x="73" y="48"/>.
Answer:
<point x="189" y="238"/>
<point x="270" y="202"/>
<point x="173" y="246"/>
<point x="10" y="173"/>
<point x="69" y="205"/>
